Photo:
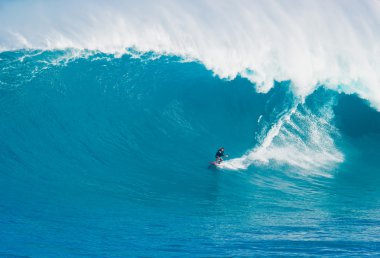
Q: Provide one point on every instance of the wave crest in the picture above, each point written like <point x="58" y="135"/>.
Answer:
<point x="310" y="43"/>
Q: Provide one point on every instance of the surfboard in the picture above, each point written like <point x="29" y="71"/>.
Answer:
<point x="214" y="164"/>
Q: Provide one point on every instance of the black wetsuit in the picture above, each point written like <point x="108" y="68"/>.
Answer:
<point x="219" y="154"/>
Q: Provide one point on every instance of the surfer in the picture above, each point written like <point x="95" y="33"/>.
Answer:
<point x="219" y="156"/>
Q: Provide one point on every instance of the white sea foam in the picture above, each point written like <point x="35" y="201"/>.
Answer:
<point x="300" y="138"/>
<point x="335" y="43"/>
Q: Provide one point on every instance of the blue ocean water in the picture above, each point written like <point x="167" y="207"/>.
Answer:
<point x="104" y="156"/>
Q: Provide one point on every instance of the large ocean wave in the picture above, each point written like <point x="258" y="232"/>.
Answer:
<point x="115" y="145"/>
<point x="111" y="112"/>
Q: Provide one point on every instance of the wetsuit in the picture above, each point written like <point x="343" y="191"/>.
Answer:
<point x="219" y="156"/>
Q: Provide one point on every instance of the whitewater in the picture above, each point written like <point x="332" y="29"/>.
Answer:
<point x="112" y="110"/>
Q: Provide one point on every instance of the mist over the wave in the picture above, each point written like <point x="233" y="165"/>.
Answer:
<point x="334" y="43"/>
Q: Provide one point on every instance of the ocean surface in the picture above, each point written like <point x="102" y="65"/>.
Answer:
<point x="108" y="122"/>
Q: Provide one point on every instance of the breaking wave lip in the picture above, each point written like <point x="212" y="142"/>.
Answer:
<point x="328" y="43"/>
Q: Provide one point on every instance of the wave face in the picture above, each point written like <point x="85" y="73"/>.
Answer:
<point x="109" y="156"/>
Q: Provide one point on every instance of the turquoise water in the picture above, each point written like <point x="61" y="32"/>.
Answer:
<point x="104" y="156"/>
